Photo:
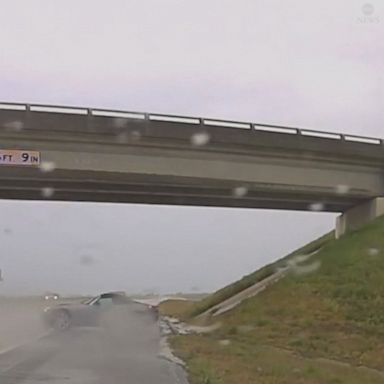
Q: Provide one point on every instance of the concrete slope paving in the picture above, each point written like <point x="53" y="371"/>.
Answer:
<point x="251" y="291"/>
<point x="294" y="264"/>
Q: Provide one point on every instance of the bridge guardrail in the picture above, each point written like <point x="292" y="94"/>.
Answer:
<point x="118" y="114"/>
<point x="276" y="129"/>
<point x="322" y="134"/>
<point x="174" y="119"/>
<point x="226" y="123"/>
<point x="363" y="139"/>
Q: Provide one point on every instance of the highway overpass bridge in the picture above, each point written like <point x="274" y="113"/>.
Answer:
<point x="81" y="154"/>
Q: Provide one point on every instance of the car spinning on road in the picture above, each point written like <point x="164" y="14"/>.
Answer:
<point x="90" y="311"/>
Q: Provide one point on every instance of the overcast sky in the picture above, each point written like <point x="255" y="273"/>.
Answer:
<point x="301" y="63"/>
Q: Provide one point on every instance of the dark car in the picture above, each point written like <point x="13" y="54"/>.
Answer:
<point x="88" y="312"/>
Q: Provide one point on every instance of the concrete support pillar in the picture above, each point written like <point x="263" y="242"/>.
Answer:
<point x="359" y="215"/>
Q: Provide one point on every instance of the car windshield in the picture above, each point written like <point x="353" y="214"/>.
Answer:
<point x="88" y="301"/>
<point x="192" y="192"/>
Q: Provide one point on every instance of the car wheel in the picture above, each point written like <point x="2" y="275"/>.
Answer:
<point x="62" y="321"/>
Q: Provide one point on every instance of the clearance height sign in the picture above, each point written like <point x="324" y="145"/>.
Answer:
<point x="19" y="157"/>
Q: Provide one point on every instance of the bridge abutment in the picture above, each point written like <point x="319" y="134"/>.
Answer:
<point x="358" y="216"/>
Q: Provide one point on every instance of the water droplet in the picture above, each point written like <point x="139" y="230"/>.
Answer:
<point x="15" y="125"/>
<point x="7" y="231"/>
<point x="87" y="260"/>
<point x="119" y="122"/>
<point x="240" y="191"/>
<point x="298" y="259"/>
<point x="316" y="207"/>
<point x="135" y="135"/>
<point x="122" y="137"/>
<point x="200" y="138"/>
<point x="373" y="251"/>
<point x="47" y="192"/>
<point x="342" y="189"/>
<point x="47" y="166"/>
<point x="305" y="269"/>
<point x="295" y="264"/>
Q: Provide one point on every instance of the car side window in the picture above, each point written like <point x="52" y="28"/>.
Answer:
<point x="119" y="300"/>
<point x="105" y="302"/>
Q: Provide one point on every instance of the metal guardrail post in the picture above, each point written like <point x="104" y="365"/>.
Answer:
<point x="89" y="120"/>
<point x="203" y="128"/>
<point x="27" y="118"/>
<point x="147" y="123"/>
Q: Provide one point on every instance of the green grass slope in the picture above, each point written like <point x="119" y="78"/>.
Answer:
<point x="253" y="278"/>
<point x="321" y="324"/>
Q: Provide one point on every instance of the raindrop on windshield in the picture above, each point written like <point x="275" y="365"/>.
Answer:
<point x="122" y="137"/>
<point x="373" y="251"/>
<point x="47" y="192"/>
<point x="240" y="191"/>
<point x="316" y="207"/>
<point x="15" y="125"/>
<point x="305" y="269"/>
<point x="47" y="166"/>
<point x="135" y="135"/>
<point x="298" y="259"/>
<point x="119" y="122"/>
<point x="87" y="260"/>
<point x="298" y="268"/>
<point x="342" y="189"/>
<point x="199" y="139"/>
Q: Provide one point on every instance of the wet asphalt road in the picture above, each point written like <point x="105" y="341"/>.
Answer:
<point x="124" y="350"/>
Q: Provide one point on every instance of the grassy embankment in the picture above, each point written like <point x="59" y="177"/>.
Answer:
<point x="321" y="327"/>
